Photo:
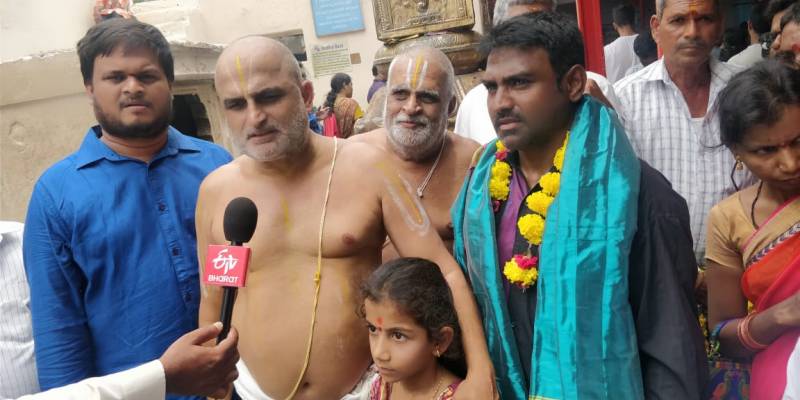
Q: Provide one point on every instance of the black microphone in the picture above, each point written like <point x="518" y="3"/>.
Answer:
<point x="239" y="223"/>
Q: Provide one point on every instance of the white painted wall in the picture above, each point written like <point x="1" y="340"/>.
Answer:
<point x="217" y="21"/>
<point x="36" y="26"/>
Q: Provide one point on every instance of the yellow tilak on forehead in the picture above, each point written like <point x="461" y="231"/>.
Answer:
<point x="417" y="70"/>
<point x="240" y="72"/>
<point x="693" y="8"/>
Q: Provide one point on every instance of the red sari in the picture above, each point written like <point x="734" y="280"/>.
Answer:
<point x="772" y="262"/>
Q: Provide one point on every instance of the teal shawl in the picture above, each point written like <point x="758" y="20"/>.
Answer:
<point x="584" y="344"/>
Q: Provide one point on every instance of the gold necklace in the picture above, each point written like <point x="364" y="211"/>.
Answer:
<point x="421" y="187"/>
<point x="386" y="389"/>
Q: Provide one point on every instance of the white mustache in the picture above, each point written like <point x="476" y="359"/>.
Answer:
<point x="402" y="117"/>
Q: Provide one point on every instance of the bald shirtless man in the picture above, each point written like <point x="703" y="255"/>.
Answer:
<point x="324" y="207"/>
<point x="420" y="97"/>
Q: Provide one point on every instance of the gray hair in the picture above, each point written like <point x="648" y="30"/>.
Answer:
<point x="501" y="7"/>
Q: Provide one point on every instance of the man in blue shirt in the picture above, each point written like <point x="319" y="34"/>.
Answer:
<point x="109" y="244"/>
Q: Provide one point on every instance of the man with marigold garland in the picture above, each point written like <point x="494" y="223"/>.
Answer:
<point x="579" y="254"/>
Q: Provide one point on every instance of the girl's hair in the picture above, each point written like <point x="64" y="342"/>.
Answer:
<point x="757" y="96"/>
<point x="338" y="82"/>
<point x="418" y="289"/>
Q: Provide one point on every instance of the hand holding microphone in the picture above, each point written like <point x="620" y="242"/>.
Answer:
<point x="193" y="369"/>
<point x="226" y="266"/>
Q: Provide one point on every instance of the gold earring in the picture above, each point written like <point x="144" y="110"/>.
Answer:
<point x="739" y="164"/>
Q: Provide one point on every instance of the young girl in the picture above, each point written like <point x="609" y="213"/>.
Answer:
<point x="414" y="335"/>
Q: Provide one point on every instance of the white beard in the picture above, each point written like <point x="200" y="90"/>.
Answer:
<point x="414" y="144"/>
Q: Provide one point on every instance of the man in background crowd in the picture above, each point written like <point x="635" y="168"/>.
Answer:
<point x="619" y="54"/>
<point x="669" y="109"/>
<point x="787" y="43"/>
<point x="774" y="14"/>
<point x="18" y="368"/>
<point x="757" y="25"/>
<point x="646" y="51"/>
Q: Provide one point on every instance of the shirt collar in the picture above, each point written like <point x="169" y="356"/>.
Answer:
<point x="9" y="227"/>
<point x="720" y="74"/>
<point x="93" y="149"/>
<point x="659" y="71"/>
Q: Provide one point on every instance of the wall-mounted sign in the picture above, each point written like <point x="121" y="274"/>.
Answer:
<point x="337" y="16"/>
<point x="330" y="58"/>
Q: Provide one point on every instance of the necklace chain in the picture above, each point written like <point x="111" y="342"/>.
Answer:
<point x="424" y="184"/>
<point x="436" y="392"/>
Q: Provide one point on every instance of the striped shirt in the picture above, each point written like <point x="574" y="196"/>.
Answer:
<point x="685" y="149"/>
<point x="17" y="365"/>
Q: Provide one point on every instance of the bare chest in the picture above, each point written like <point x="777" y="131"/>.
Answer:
<point x="297" y="220"/>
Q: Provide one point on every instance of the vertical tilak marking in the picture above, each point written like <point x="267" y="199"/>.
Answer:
<point x="408" y="72"/>
<point x="422" y="75"/>
<point x="287" y="222"/>
<point x="415" y="77"/>
<point x="240" y="72"/>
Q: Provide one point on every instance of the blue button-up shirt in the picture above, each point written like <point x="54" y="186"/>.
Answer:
<point x="110" y="254"/>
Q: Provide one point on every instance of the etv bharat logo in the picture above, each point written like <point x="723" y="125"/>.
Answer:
<point x="225" y="261"/>
<point x="226" y="265"/>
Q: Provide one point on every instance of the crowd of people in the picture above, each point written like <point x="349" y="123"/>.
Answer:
<point x="577" y="236"/>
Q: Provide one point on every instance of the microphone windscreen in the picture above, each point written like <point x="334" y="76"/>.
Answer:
<point x="240" y="220"/>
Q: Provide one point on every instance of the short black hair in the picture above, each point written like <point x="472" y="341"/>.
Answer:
<point x="553" y="32"/>
<point x="757" y="96"/>
<point x="644" y="46"/>
<point x="418" y="288"/>
<point x="776" y="6"/>
<point x="624" y="15"/>
<point x="758" y="18"/>
<point x="792" y="15"/>
<point x="103" y="38"/>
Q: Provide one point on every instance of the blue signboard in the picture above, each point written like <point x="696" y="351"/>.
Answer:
<point x="337" y="16"/>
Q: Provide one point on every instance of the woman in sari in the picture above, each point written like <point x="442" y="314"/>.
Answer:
<point x="346" y="111"/>
<point x="753" y="249"/>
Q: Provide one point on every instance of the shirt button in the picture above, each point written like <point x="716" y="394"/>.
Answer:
<point x="187" y="297"/>
<point x="176" y="251"/>
<point x="162" y="207"/>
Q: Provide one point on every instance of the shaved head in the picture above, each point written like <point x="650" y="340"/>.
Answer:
<point x="265" y="98"/>
<point x="421" y="95"/>
<point x="241" y="52"/>
<point x="430" y="55"/>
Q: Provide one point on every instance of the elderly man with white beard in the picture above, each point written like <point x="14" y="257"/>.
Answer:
<point x="420" y="97"/>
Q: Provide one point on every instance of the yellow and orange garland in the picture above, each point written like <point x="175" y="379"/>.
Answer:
<point x="523" y="269"/>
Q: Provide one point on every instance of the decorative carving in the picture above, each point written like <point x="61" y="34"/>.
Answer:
<point x="399" y="19"/>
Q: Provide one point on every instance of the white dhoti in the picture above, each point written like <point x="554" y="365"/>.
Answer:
<point x="247" y="388"/>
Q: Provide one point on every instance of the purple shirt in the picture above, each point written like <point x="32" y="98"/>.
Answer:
<point x="507" y="224"/>
<point x="376" y="84"/>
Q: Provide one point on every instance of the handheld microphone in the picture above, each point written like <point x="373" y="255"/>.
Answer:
<point x="226" y="266"/>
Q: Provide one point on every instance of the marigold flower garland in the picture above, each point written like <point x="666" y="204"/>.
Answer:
<point x="523" y="269"/>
